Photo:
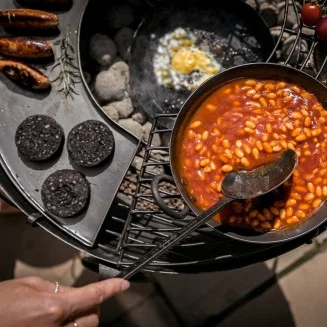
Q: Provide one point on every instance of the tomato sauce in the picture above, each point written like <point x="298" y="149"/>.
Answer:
<point x="248" y="123"/>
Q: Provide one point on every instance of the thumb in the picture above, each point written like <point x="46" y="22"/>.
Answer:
<point x="88" y="297"/>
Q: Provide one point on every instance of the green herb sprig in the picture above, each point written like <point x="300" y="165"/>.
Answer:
<point x="68" y="75"/>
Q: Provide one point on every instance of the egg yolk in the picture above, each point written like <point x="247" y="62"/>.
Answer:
<point x="185" y="61"/>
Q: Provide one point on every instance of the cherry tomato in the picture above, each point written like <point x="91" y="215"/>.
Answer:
<point x="311" y="14"/>
<point x="321" y="29"/>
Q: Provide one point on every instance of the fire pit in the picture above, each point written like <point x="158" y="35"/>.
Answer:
<point x="135" y="223"/>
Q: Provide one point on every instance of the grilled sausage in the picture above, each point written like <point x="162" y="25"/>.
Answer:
<point x="24" y="75"/>
<point x="24" y="47"/>
<point x="28" y="19"/>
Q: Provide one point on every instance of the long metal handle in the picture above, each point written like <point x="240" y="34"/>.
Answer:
<point x="177" y="237"/>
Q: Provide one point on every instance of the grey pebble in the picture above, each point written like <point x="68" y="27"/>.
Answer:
<point x="120" y="15"/>
<point x="269" y="13"/>
<point x="291" y="18"/>
<point x="139" y="117"/>
<point x="132" y="126"/>
<point x="123" y="40"/>
<point x="156" y="141"/>
<point x="124" y="107"/>
<point x="111" y="112"/>
<point x="102" y="49"/>
<point x="134" y="3"/>
<point x="87" y="77"/>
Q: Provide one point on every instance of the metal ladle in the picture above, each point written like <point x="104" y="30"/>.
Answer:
<point x="237" y="185"/>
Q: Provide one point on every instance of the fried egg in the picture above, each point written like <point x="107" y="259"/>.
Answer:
<point x="180" y="64"/>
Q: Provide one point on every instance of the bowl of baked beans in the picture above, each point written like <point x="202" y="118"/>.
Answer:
<point x="241" y="119"/>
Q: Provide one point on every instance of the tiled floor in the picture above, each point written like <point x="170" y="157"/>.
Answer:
<point x="238" y="298"/>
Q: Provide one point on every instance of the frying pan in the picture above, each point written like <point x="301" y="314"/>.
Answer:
<point x="234" y="31"/>
<point x="256" y="71"/>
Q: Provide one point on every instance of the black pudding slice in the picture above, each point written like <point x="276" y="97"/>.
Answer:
<point x="65" y="193"/>
<point x="90" y="143"/>
<point x="39" y="137"/>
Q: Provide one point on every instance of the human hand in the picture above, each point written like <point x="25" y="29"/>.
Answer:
<point x="32" y="302"/>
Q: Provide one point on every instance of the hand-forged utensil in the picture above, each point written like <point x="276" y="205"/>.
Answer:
<point x="237" y="185"/>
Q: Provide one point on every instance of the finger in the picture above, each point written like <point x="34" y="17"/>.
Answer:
<point x="87" y="321"/>
<point x="43" y="285"/>
<point x="88" y="297"/>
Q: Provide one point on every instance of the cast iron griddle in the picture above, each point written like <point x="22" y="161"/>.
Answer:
<point x="233" y="30"/>
<point x="16" y="104"/>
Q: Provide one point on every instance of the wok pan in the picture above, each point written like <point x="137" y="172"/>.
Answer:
<point x="256" y="71"/>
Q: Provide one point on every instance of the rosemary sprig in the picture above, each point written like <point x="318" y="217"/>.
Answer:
<point x="68" y="75"/>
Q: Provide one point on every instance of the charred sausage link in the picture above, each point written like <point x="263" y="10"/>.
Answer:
<point x="24" y="75"/>
<point x="24" y="47"/>
<point x="28" y="18"/>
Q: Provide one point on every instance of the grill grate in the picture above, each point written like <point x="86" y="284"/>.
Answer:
<point x="136" y="224"/>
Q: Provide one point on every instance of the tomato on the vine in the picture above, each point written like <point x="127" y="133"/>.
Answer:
<point x="321" y="29"/>
<point x="311" y="14"/>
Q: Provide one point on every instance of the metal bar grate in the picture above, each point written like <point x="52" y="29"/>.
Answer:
<point x="137" y="224"/>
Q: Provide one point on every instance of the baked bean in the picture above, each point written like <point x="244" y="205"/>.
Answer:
<point x="258" y="87"/>
<point x="202" y="150"/>
<point x="292" y="220"/>
<point x="309" y="197"/>
<point x="289" y="212"/>
<point x="300" y="214"/>
<point x="272" y="96"/>
<point x="245" y="162"/>
<point x="205" y="135"/>
<point x="247" y="148"/>
<point x="304" y="206"/>
<point x="280" y="85"/>
<point x="211" y="107"/>
<point x="266" y="225"/>
<point x="277" y="224"/>
<point x="227" y="168"/>
<point x="226" y="144"/>
<point x="275" y="211"/>
<point x="248" y="123"/>
<point x="290" y="202"/>
<point x="316" y="203"/>
<point x="199" y="146"/>
<point x="239" y="153"/>
<point x="229" y="154"/>
<point x="255" y="153"/>
<point x="250" y="82"/>
<point x="301" y="138"/>
<point x="283" y="214"/>
<point x="267" y="147"/>
<point x="255" y="223"/>
<point x="239" y="143"/>
<point x="318" y="191"/>
<point x="195" y="124"/>
<point x="296" y="115"/>
<point x="249" y="130"/>
<point x="250" y="92"/>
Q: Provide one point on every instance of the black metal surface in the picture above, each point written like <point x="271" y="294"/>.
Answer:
<point x="17" y="104"/>
<point x="130" y="231"/>
<point x="230" y="24"/>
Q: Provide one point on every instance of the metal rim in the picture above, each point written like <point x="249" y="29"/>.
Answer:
<point x="288" y="73"/>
